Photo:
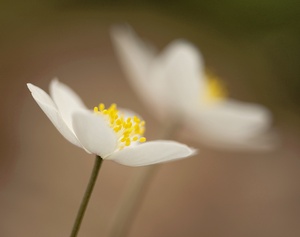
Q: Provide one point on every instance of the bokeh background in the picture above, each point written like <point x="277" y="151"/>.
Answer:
<point x="252" y="45"/>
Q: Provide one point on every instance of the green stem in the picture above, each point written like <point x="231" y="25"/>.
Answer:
<point x="134" y="195"/>
<point x="131" y="202"/>
<point x="86" y="197"/>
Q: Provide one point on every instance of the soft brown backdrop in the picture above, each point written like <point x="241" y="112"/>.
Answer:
<point x="216" y="193"/>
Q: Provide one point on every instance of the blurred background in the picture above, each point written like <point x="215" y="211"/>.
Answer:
<point x="252" y="45"/>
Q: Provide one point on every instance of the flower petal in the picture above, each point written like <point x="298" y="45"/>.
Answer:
<point x="152" y="152"/>
<point x="49" y="108"/>
<point x="263" y="142"/>
<point x="94" y="133"/>
<point x="229" y="122"/>
<point x="179" y="77"/>
<point x="136" y="58"/>
<point x="66" y="100"/>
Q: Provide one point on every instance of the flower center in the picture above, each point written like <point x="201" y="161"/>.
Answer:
<point x="128" y="130"/>
<point x="215" y="90"/>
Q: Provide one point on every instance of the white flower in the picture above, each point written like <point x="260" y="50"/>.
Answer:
<point x="174" y="84"/>
<point x="110" y="133"/>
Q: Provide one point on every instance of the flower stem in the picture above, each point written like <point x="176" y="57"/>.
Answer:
<point x="134" y="195"/>
<point x="87" y="195"/>
<point x="131" y="201"/>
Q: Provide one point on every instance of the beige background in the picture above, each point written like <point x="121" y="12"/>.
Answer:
<point x="216" y="193"/>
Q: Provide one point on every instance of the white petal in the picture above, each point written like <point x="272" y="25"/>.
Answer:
<point x="152" y="153"/>
<point x="94" y="133"/>
<point x="136" y="58"/>
<point x="134" y="55"/>
<point x="49" y="108"/>
<point x="262" y="142"/>
<point x="40" y="95"/>
<point x="66" y="100"/>
<point x="229" y="122"/>
<point x="179" y="75"/>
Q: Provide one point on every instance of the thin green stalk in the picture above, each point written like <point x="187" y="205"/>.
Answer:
<point x="87" y="195"/>
<point x="134" y="195"/>
<point x="131" y="201"/>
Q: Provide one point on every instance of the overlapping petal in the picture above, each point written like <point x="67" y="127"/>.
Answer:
<point x="160" y="79"/>
<point x="151" y="153"/>
<point x="260" y="142"/>
<point x="176" y="75"/>
<point x="230" y="120"/>
<point x="137" y="58"/>
<point x="94" y="133"/>
<point x="50" y="109"/>
<point x="66" y="100"/>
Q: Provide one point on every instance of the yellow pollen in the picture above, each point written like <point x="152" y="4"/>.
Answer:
<point x="215" y="90"/>
<point x="101" y="107"/>
<point x="127" y="143"/>
<point x="127" y="129"/>
<point x="128" y="125"/>
<point x="135" y="138"/>
<point x="136" y="119"/>
<point x="142" y="139"/>
<point x="123" y="139"/>
<point x="117" y="129"/>
<point x="113" y="107"/>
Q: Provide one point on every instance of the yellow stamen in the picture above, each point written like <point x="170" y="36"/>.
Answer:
<point x="123" y="139"/>
<point x="215" y="90"/>
<point x="104" y="111"/>
<point x="136" y="119"/>
<point x="142" y="131"/>
<point x="101" y="107"/>
<point x="112" y="107"/>
<point x="127" y="143"/>
<point x="142" y="139"/>
<point x="135" y="138"/>
<point x="128" y="130"/>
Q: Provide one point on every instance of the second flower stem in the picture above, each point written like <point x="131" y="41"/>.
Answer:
<point x="133" y="197"/>
<point x="131" y="202"/>
<point x="87" y="195"/>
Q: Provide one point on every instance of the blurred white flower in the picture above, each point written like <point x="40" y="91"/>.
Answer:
<point x="175" y="86"/>
<point x="110" y="133"/>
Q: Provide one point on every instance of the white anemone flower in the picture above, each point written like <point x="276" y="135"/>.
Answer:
<point x="174" y="84"/>
<point x="110" y="133"/>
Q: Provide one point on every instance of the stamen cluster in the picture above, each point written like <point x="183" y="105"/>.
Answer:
<point x="128" y="130"/>
<point x="215" y="90"/>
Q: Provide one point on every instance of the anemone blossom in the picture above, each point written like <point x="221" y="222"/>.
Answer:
<point x="177" y="87"/>
<point x="109" y="133"/>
